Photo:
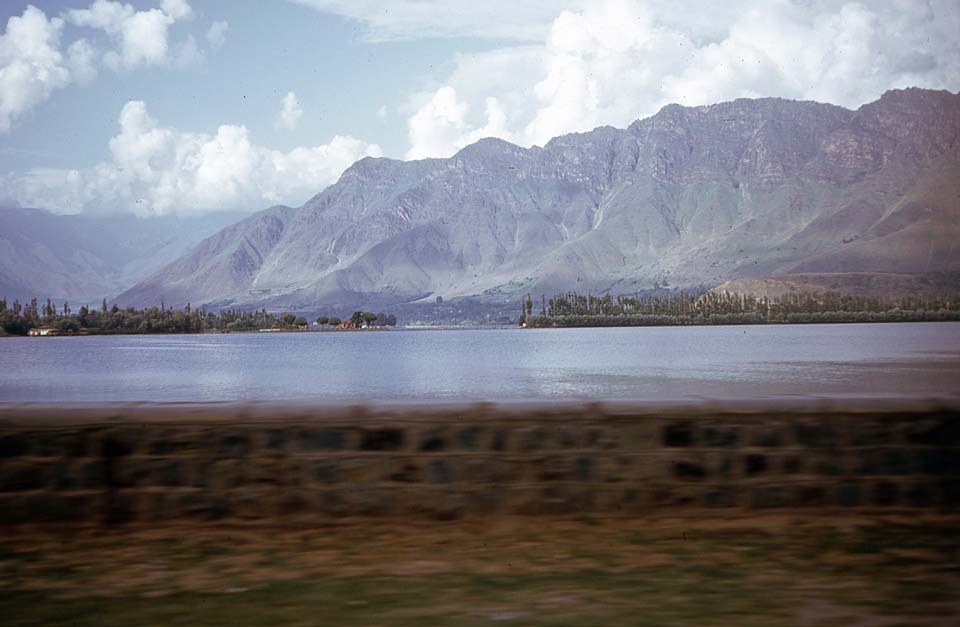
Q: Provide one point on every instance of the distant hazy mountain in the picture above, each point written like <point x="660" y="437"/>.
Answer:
<point x="84" y="258"/>
<point x="689" y="197"/>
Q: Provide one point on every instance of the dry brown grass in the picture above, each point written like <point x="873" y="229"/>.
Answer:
<point x="769" y="570"/>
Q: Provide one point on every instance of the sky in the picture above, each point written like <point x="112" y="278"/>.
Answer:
<point x="185" y="106"/>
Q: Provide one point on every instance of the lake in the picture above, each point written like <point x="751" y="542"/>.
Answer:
<point x="663" y="363"/>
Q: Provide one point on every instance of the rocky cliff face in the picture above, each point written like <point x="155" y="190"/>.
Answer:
<point x="690" y="196"/>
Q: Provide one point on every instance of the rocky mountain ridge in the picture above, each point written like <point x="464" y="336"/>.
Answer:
<point x="692" y="196"/>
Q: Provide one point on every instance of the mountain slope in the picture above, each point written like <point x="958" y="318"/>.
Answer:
<point x="85" y="258"/>
<point x="891" y="285"/>
<point x="690" y="196"/>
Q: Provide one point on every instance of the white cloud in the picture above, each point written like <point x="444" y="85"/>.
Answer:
<point x="43" y="187"/>
<point x="154" y="169"/>
<point x="187" y="53"/>
<point x="142" y="36"/>
<point x="439" y="127"/>
<point x="82" y="59"/>
<point x="402" y="20"/>
<point x="31" y="64"/>
<point x="217" y="34"/>
<point x="176" y="9"/>
<point x="615" y="61"/>
<point x="290" y="112"/>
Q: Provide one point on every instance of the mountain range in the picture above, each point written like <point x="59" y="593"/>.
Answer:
<point x="83" y="258"/>
<point x="690" y="197"/>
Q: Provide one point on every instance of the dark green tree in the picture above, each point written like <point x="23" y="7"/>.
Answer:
<point x="68" y="325"/>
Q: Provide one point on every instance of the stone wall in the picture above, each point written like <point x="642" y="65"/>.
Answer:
<point x="151" y="464"/>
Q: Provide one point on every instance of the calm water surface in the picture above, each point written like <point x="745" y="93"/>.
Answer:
<point x="503" y="364"/>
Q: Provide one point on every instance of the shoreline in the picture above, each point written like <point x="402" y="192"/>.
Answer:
<point x="510" y="327"/>
<point x="212" y="332"/>
<point x="616" y="323"/>
<point x="54" y="413"/>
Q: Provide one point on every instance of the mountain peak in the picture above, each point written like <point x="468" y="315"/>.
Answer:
<point x="488" y="147"/>
<point x="368" y="166"/>
<point x="905" y="93"/>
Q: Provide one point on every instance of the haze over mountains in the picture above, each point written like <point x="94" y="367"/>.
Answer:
<point x="83" y="258"/>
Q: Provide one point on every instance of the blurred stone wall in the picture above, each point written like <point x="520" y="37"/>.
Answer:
<point x="272" y="464"/>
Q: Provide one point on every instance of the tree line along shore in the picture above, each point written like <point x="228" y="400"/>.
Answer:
<point x="48" y="319"/>
<point x="573" y="309"/>
<point x="570" y="309"/>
